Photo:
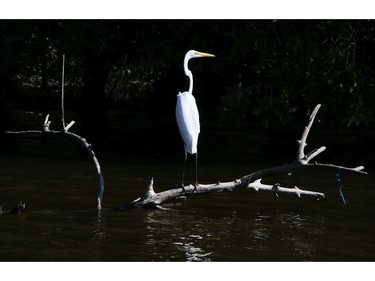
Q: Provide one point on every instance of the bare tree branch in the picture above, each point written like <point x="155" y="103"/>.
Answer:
<point x="251" y="181"/>
<point x="302" y="143"/>
<point x="62" y="92"/>
<point x="46" y="130"/>
<point x="88" y="148"/>
<point x="152" y="199"/>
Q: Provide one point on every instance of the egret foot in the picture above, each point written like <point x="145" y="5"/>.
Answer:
<point x="195" y="187"/>
<point x="181" y="185"/>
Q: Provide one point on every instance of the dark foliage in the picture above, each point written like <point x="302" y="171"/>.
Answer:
<point x="266" y="73"/>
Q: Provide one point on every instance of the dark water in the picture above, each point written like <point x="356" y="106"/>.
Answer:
<point x="61" y="222"/>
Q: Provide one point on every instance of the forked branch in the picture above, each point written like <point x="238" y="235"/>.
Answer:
<point x="250" y="181"/>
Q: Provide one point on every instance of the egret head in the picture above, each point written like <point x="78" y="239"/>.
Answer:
<point x="190" y="55"/>
<point x="195" y="54"/>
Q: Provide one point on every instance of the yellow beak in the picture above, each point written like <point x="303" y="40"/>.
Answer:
<point x="205" y="54"/>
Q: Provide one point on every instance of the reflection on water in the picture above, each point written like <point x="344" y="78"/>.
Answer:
<point x="188" y="243"/>
<point x="192" y="253"/>
<point x="100" y="229"/>
<point x="280" y="236"/>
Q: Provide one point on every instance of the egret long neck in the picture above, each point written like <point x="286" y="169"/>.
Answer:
<point x="188" y="74"/>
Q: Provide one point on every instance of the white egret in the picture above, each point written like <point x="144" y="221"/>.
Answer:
<point x="187" y="116"/>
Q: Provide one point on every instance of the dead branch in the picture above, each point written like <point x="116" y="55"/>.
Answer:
<point x="84" y="143"/>
<point x="62" y="92"/>
<point x="251" y="181"/>
<point x="65" y="130"/>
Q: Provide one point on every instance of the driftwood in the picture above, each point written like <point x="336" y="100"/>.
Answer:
<point x="85" y="144"/>
<point x="65" y="131"/>
<point x="151" y="199"/>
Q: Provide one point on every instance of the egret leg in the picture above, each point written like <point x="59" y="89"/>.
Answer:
<point x="196" y="171"/>
<point x="183" y="172"/>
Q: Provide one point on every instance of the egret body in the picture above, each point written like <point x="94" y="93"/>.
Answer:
<point x="187" y="116"/>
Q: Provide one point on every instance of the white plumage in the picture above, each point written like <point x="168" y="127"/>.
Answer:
<point x="188" y="121"/>
<point x="187" y="114"/>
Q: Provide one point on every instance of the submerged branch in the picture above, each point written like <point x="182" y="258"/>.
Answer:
<point x="85" y="144"/>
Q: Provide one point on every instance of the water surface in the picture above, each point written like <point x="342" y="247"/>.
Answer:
<point x="61" y="222"/>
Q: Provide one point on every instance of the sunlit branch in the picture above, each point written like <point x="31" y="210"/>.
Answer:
<point x="250" y="181"/>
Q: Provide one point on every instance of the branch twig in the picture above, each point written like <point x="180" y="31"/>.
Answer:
<point x="302" y="143"/>
<point x="62" y="92"/>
